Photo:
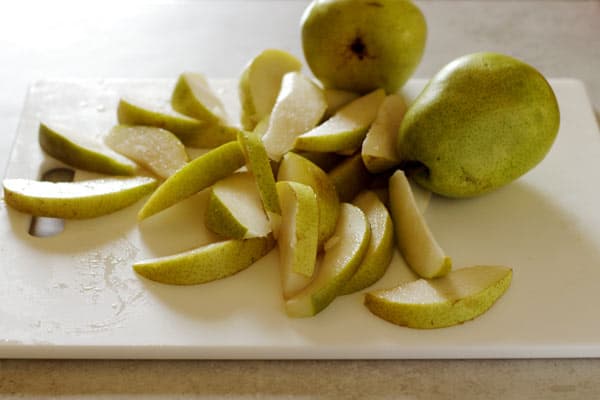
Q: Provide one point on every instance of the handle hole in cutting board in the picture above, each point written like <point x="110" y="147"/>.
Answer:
<point x="44" y="226"/>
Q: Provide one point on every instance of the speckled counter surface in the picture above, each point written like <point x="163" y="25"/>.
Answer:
<point x="161" y="39"/>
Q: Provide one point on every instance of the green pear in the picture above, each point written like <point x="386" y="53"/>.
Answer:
<point x="195" y="176"/>
<point x="343" y="253"/>
<point x="299" y="107"/>
<point x="80" y="151"/>
<point x="381" y="246"/>
<point x="296" y="168"/>
<point x="481" y="122"/>
<point x="363" y="45"/>
<point x="75" y="200"/>
<point x="415" y="240"/>
<point x="156" y="149"/>
<point x="260" y="83"/>
<point x="346" y="129"/>
<point x="259" y="164"/>
<point x="460" y="296"/>
<point x="325" y="161"/>
<point x="336" y="99"/>
<point x="191" y="131"/>
<point x="350" y="177"/>
<point x="298" y="236"/>
<point x="206" y="263"/>
<point x="234" y="208"/>
<point x="379" y="147"/>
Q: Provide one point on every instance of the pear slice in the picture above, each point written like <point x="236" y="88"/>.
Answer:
<point x="235" y="209"/>
<point x="343" y="254"/>
<point x="206" y="263"/>
<point x="192" y="132"/>
<point x="260" y="83"/>
<point x="350" y="177"/>
<point x="381" y="246"/>
<point x="193" y="96"/>
<point x="299" y="107"/>
<point x="195" y="176"/>
<point x="156" y="149"/>
<point x="379" y="147"/>
<point x="346" y="129"/>
<point x="415" y="241"/>
<point x="75" y="200"/>
<point x="298" y="236"/>
<point x="82" y="152"/>
<point x="296" y="168"/>
<point x="336" y="99"/>
<point x="259" y="164"/>
<point x="460" y="296"/>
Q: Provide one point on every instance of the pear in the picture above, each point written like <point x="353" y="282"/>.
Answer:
<point x="363" y="45"/>
<point x="259" y="164"/>
<point x="80" y="151"/>
<point x="350" y="177"/>
<point x="260" y="83"/>
<point x="235" y="209"/>
<point x="415" y="241"/>
<point x="460" y="296"/>
<point x="346" y="129"/>
<point x="156" y="149"/>
<point x="381" y="246"/>
<point x="481" y="122"/>
<point x="343" y="254"/>
<point x="379" y="147"/>
<point x="294" y="167"/>
<point x="336" y="99"/>
<point x="195" y="176"/>
<point x="298" y="237"/>
<point x="75" y="200"/>
<point x="150" y="113"/>
<point x="299" y="106"/>
<point x="206" y="263"/>
<point x="325" y="161"/>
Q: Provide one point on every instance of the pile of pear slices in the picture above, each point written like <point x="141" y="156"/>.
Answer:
<point x="311" y="171"/>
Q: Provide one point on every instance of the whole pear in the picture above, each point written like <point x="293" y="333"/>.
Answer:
<point x="481" y="122"/>
<point x="363" y="45"/>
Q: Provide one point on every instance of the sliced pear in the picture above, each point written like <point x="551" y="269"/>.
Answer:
<point x="299" y="107"/>
<point x="343" y="254"/>
<point x="207" y="263"/>
<point x="193" y="96"/>
<point x="350" y="177"/>
<point x="156" y="149"/>
<point x="260" y="83"/>
<point x="379" y="147"/>
<point x="259" y="164"/>
<point x="298" y="237"/>
<point x="415" y="241"/>
<point x="82" y="152"/>
<point x="75" y="200"/>
<point x="325" y="161"/>
<point x="192" y="132"/>
<point x="195" y="176"/>
<point x="336" y="99"/>
<point x="346" y="129"/>
<point x="296" y="168"/>
<point x="460" y="296"/>
<point x="235" y="209"/>
<point x="381" y="246"/>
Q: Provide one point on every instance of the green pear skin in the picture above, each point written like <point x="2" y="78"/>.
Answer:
<point x="481" y="122"/>
<point x="363" y="45"/>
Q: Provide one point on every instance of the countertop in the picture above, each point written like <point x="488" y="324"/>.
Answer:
<point x="161" y="39"/>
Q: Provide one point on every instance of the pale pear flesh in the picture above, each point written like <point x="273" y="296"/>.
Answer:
<point x="193" y="96"/>
<point x="156" y="149"/>
<point x="76" y="200"/>
<point x="414" y="239"/>
<point x="462" y="295"/>
<point x="299" y="107"/>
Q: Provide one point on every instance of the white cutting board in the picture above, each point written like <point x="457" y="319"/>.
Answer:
<point x="75" y="295"/>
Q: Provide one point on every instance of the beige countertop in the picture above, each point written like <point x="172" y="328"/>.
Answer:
<point x="160" y="40"/>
